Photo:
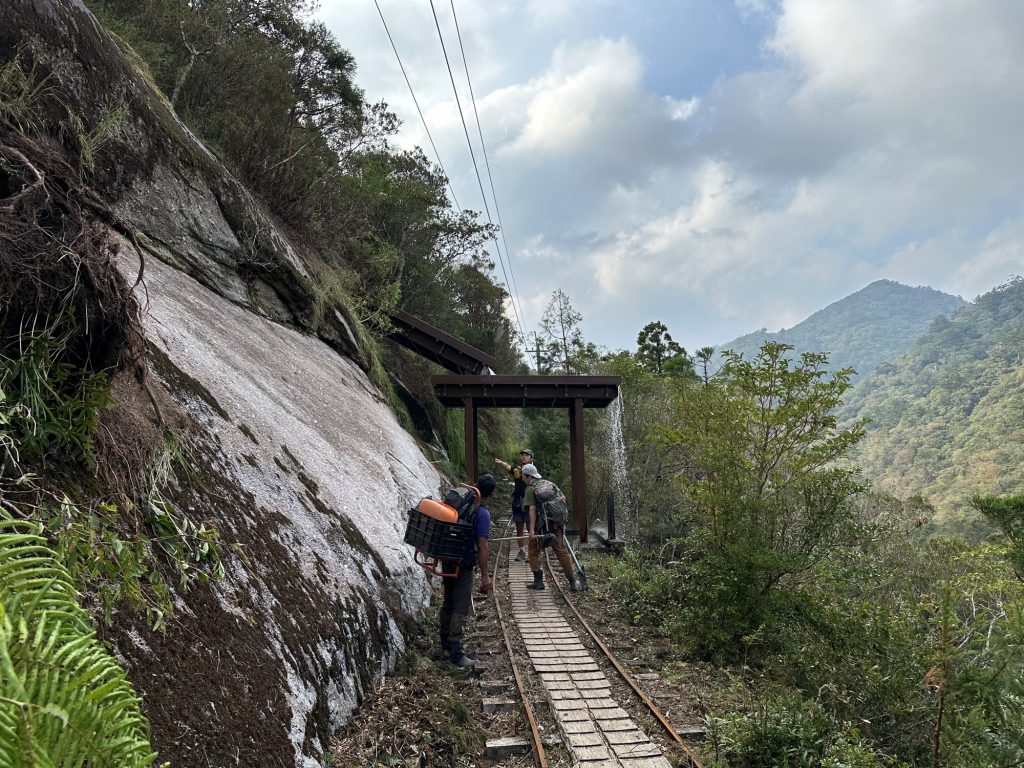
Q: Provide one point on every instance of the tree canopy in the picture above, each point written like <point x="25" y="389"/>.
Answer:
<point x="657" y="351"/>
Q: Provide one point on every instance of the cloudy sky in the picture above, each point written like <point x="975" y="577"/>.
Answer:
<point x="722" y="166"/>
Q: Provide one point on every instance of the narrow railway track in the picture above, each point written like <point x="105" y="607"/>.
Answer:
<point x="624" y="673"/>
<point x="530" y="665"/>
<point x="539" y="756"/>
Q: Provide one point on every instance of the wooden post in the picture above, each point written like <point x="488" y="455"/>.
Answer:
<point x="476" y="443"/>
<point x="470" y="425"/>
<point x="578" y="467"/>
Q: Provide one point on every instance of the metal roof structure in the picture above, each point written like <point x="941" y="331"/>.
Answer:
<point x="439" y="347"/>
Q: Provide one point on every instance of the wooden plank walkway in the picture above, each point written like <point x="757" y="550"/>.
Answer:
<point x="596" y="730"/>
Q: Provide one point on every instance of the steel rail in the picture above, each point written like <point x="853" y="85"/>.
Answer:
<point x="623" y="672"/>
<point x="539" y="758"/>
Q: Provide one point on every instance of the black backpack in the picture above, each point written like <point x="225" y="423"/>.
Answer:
<point x="551" y="502"/>
<point x="464" y="499"/>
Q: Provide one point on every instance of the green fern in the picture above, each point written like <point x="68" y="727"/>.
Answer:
<point x="64" y="701"/>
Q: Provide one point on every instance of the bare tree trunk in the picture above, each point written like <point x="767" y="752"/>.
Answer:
<point x="941" y="687"/>
<point x="193" y="55"/>
<point x="937" y="731"/>
<point x="183" y="76"/>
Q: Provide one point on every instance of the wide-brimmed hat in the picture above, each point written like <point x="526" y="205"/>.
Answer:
<point x="529" y="469"/>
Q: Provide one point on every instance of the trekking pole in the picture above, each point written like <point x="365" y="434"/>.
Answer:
<point x="579" y="566"/>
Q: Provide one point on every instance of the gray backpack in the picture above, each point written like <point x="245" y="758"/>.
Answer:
<point x="551" y="502"/>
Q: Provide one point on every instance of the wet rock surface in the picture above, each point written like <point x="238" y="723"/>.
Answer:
<point x="298" y="459"/>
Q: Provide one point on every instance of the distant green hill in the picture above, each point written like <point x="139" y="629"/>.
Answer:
<point x="877" y="323"/>
<point x="948" y="416"/>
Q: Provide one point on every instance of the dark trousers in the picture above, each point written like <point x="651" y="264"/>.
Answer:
<point x="456" y="608"/>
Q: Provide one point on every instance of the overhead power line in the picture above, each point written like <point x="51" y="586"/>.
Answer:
<point x="417" y="103"/>
<point x="476" y="169"/>
<point x="487" y="161"/>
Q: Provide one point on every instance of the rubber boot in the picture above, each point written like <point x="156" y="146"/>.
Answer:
<point x="538" y="581"/>
<point x="446" y="646"/>
<point x="458" y="657"/>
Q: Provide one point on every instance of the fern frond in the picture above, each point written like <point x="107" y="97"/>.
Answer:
<point x="64" y="701"/>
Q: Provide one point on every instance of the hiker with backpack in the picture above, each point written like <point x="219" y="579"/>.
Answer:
<point x="457" y="605"/>
<point x="519" y="515"/>
<point x="548" y="514"/>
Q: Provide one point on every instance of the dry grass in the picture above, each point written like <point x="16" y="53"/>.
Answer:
<point x="424" y="715"/>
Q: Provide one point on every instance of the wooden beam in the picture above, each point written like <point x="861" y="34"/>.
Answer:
<point x="523" y="391"/>
<point x="578" y="467"/>
<point x="439" y="347"/>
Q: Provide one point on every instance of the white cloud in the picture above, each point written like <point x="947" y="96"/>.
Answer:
<point x="941" y="74"/>
<point x="748" y="8"/>
<point x="566" y="143"/>
<point x="872" y="138"/>
<point x="1001" y="257"/>
<point x="883" y="144"/>
<point x="681" y="109"/>
<point x="967" y="266"/>
<point x="590" y="97"/>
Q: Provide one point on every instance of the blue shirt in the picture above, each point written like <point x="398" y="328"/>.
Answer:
<point x="481" y="530"/>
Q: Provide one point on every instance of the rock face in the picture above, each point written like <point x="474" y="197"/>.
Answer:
<point x="299" y="459"/>
<point x="291" y="452"/>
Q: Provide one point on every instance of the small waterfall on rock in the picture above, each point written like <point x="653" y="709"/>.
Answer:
<point x="620" y="478"/>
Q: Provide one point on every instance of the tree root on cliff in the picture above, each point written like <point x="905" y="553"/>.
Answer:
<point x="59" y="281"/>
<point x="58" y="269"/>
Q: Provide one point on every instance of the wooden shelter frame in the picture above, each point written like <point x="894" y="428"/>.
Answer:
<point x="471" y="388"/>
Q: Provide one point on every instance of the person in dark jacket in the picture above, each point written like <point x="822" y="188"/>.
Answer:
<point x="457" y="605"/>
<point x="519" y="513"/>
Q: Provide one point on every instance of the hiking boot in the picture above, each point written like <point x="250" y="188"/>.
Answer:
<point x="521" y="556"/>
<point x="538" y="581"/>
<point x="574" y="585"/>
<point x="463" y="661"/>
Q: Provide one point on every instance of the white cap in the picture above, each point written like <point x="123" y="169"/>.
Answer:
<point x="529" y="469"/>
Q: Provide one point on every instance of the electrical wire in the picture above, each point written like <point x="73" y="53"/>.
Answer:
<point x="487" y="161"/>
<point x="417" y="103"/>
<point x="476" y="169"/>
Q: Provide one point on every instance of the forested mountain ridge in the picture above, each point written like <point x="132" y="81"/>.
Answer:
<point x="877" y="323"/>
<point x="947" y="418"/>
